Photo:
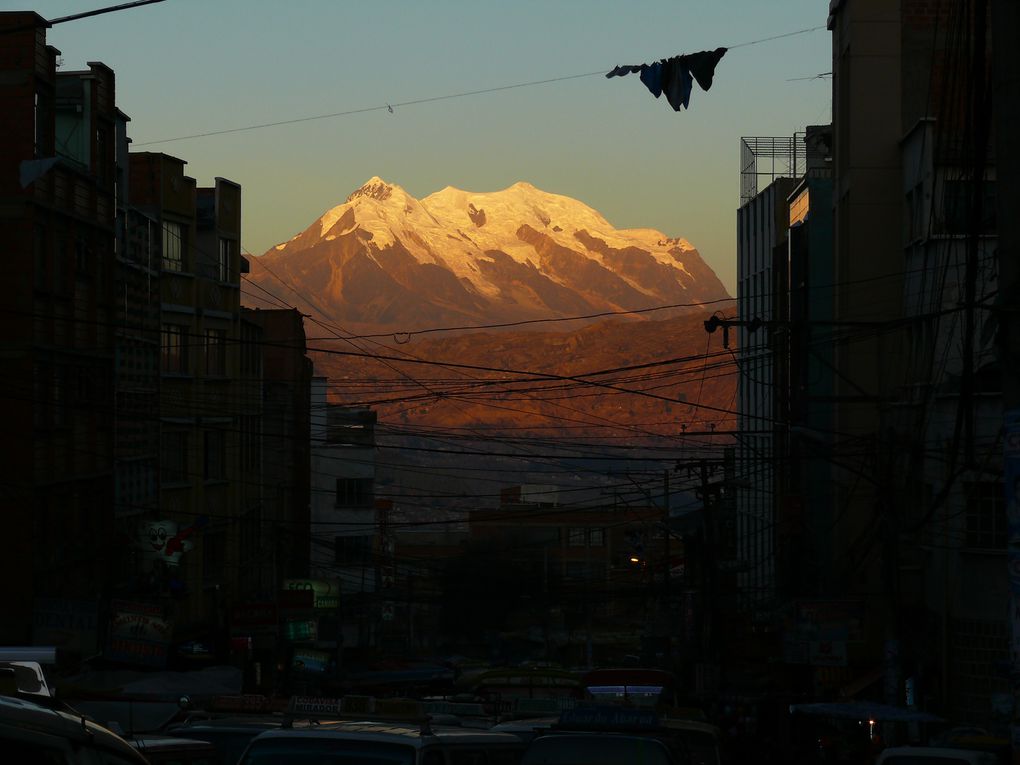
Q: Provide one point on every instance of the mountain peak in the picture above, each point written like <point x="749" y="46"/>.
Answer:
<point x="385" y="258"/>
<point x="374" y="188"/>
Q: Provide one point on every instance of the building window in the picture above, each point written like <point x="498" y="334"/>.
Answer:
<point x="174" y="349"/>
<point x="986" y="515"/>
<point x="226" y="258"/>
<point x="251" y="441"/>
<point x="352" y="551"/>
<point x="58" y="396"/>
<point x="173" y="246"/>
<point x="173" y="463"/>
<point x="576" y="537"/>
<point x="41" y="257"/>
<point x="82" y="258"/>
<point x="353" y="492"/>
<point x="251" y="350"/>
<point x="597" y="537"/>
<point x="576" y="571"/>
<point x="214" y="557"/>
<point x="216" y="352"/>
<point x="214" y="466"/>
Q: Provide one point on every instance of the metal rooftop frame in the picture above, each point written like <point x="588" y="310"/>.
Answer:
<point x="769" y="157"/>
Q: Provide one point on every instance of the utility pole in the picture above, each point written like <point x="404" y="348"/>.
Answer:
<point x="587" y="595"/>
<point x="1006" y="113"/>
<point x="666" y="568"/>
<point x="711" y="562"/>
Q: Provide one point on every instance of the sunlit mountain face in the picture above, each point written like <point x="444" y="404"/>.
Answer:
<point x="384" y="260"/>
<point x="386" y="264"/>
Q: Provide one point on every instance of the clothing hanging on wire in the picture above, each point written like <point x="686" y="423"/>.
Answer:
<point x="675" y="76"/>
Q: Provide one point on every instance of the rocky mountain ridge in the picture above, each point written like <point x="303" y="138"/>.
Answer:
<point x="384" y="260"/>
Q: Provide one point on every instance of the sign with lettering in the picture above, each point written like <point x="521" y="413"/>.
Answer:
<point x="608" y="718"/>
<point x="827" y="653"/>
<point x="313" y="705"/>
<point x="256" y="618"/>
<point x="325" y="594"/>
<point x="139" y="634"/>
<point x="72" y="625"/>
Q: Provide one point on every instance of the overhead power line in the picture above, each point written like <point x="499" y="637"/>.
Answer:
<point x="390" y="106"/>
<point x="101" y="11"/>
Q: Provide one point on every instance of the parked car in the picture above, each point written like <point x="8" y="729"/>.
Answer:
<point x="34" y="733"/>
<point x="527" y="728"/>
<point x="596" y="749"/>
<point x="229" y="735"/>
<point x="393" y="743"/>
<point x="701" y="739"/>
<point x="935" y="755"/>
<point x="168" y="750"/>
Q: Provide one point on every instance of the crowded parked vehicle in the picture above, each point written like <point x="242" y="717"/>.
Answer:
<point x="392" y="743"/>
<point x="34" y="733"/>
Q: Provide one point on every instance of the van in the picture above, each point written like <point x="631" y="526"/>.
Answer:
<point x="701" y="739"/>
<point x="934" y="755"/>
<point x="228" y="735"/>
<point x="34" y="733"/>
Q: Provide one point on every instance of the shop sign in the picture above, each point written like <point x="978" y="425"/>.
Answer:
<point x="313" y="705"/>
<point x="830" y="620"/>
<point x="138" y="634"/>
<point x="291" y="602"/>
<point x="301" y="629"/>
<point x="315" y="662"/>
<point x="72" y="625"/>
<point x="256" y="618"/>
<point x="827" y="653"/>
<point x="325" y="594"/>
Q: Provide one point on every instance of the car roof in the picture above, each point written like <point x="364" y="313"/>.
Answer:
<point x="27" y="715"/>
<point x="394" y="732"/>
<point x="525" y="724"/>
<point x="934" y="751"/>
<point x="146" y="742"/>
<point x="676" y="723"/>
<point x="605" y="747"/>
<point x="239" y="723"/>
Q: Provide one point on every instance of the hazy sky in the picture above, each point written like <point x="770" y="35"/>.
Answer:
<point x="192" y="66"/>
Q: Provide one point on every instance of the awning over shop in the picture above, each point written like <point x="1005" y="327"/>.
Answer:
<point x="165" y="685"/>
<point x="864" y="710"/>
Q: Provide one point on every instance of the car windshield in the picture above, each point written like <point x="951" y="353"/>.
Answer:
<point x="595" y="750"/>
<point x="702" y="747"/>
<point x="907" y="759"/>
<point x="326" y="751"/>
<point x="229" y="744"/>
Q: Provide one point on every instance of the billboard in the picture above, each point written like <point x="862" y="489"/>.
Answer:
<point x="139" y="634"/>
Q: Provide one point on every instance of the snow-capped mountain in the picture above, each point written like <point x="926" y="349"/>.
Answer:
<point x="384" y="259"/>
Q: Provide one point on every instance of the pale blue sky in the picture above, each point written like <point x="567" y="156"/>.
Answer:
<point x="190" y="66"/>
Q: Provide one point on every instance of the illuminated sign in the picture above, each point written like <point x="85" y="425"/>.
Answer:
<point x="326" y="594"/>
<point x="311" y="661"/>
<point x="301" y="629"/>
<point x="608" y="718"/>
